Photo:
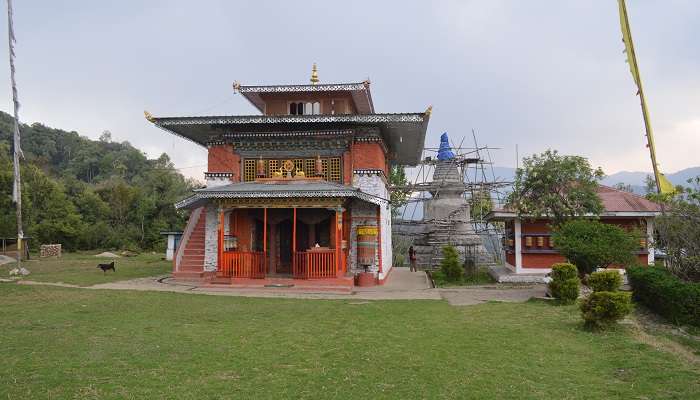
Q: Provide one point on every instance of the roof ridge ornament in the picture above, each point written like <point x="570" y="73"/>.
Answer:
<point x="236" y="87"/>
<point x="429" y="110"/>
<point x="148" y="116"/>
<point x="314" y="75"/>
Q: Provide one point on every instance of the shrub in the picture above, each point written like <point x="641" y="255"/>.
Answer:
<point x="563" y="271"/>
<point x="565" y="283"/>
<point x="605" y="281"/>
<point x="602" y="309"/>
<point x="450" y="266"/>
<point x="666" y="294"/>
<point x="590" y="244"/>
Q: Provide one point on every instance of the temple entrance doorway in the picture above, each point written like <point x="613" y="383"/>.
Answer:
<point x="284" y="252"/>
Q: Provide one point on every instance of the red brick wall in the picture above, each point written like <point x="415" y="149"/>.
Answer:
<point x="347" y="168"/>
<point x="534" y="260"/>
<point x="369" y="156"/>
<point x="223" y="159"/>
<point x="540" y="260"/>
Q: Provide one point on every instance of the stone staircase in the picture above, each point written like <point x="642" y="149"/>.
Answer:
<point x="190" y="262"/>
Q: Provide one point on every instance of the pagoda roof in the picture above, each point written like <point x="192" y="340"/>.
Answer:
<point x="254" y="190"/>
<point x="616" y="203"/>
<point x="359" y="91"/>
<point x="404" y="133"/>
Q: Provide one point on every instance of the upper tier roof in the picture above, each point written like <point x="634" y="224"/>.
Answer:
<point x="359" y="92"/>
<point x="403" y="133"/>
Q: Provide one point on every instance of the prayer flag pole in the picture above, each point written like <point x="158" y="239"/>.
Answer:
<point x="17" y="184"/>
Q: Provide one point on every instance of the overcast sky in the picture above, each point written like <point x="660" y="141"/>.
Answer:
<point x="542" y="74"/>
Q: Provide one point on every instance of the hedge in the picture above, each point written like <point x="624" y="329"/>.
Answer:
<point x="665" y="294"/>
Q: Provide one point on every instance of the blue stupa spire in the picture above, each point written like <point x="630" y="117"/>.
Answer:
<point x="445" y="151"/>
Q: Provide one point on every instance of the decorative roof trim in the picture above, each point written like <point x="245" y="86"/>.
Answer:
<point x="370" y="172"/>
<point x="218" y="174"/>
<point x="236" y="135"/>
<point x="277" y="119"/>
<point x="320" y="87"/>
<point x="214" y="194"/>
<point x="360" y="92"/>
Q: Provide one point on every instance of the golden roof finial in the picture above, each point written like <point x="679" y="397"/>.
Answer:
<point x="148" y="116"/>
<point x="314" y="75"/>
<point x="429" y="110"/>
<point x="236" y="86"/>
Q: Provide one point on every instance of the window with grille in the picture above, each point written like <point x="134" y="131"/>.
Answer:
<point x="272" y="167"/>
<point x="249" y="170"/>
<point x="331" y="167"/>
<point x="299" y="166"/>
<point x="310" y="167"/>
<point x="334" y="170"/>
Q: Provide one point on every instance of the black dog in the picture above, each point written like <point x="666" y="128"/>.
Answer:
<point x="105" y="267"/>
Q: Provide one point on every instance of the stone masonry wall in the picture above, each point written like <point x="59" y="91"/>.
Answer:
<point x="210" y="237"/>
<point x="366" y="214"/>
<point x="362" y="213"/>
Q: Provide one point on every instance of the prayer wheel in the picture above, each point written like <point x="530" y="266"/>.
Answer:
<point x="540" y="241"/>
<point x="366" y="244"/>
<point x="528" y="241"/>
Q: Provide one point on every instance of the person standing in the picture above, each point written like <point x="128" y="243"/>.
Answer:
<point x="412" y="259"/>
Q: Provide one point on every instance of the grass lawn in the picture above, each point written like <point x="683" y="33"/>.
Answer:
<point x="81" y="268"/>
<point x="481" y="277"/>
<point x="75" y="343"/>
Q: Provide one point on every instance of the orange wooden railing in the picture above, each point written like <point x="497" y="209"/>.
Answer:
<point x="314" y="264"/>
<point x="242" y="264"/>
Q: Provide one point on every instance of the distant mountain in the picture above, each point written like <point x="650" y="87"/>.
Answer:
<point x="637" y="179"/>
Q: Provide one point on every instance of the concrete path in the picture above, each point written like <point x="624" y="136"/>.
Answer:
<point x="402" y="285"/>
<point x="6" y="259"/>
<point x="468" y="296"/>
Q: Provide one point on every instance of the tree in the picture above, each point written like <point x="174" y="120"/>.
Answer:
<point x="679" y="232"/>
<point x="556" y="186"/>
<point x="625" y="187"/>
<point x="450" y="265"/>
<point x="89" y="194"/>
<point x="589" y="244"/>
<point x="398" y="197"/>
<point x="106" y="136"/>
<point x="480" y="204"/>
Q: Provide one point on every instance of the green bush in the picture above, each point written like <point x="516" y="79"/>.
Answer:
<point x="565" y="282"/>
<point x="590" y="244"/>
<point x="605" y="281"/>
<point x="665" y="294"/>
<point x="603" y="309"/>
<point x="564" y="271"/>
<point x="450" y="265"/>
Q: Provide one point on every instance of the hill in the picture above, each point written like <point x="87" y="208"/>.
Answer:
<point x="87" y="193"/>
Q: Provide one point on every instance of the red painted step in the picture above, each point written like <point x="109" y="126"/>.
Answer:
<point x="192" y="258"/>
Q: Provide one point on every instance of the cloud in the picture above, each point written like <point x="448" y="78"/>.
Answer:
<point x="541" y="74"/>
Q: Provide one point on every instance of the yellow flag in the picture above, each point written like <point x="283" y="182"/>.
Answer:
<point x="666" y="185"/>
<point x="663" y="184"/>
<point x="629" y="46"/>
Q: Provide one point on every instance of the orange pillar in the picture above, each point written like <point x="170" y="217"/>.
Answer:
<point x="265" y="237"/>
<point x="337" y="240"/>
<point x="379" y="238"/>
<point x="294" y="238"/>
